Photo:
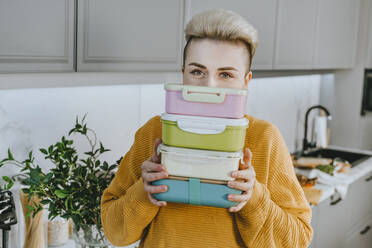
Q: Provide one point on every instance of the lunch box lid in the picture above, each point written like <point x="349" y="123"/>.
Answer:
<point x="205" y="89"/>
<point x="241" y="122"/>
<point x="204" y="125"/>
<point x="199" y="153"/>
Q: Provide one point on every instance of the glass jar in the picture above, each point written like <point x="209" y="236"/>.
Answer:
<point x="89" y="237"/>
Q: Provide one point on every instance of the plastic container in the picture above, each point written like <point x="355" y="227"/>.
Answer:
<point x="195" y="163"/>
<point x="205" y="101"/>
<point x="195" y="192"/>
<point x="206" y="133"/>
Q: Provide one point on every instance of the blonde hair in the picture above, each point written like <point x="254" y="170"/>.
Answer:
<point x="223" y="25"/>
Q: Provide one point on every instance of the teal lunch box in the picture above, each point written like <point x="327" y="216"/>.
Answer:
<point x="194" y="192"/>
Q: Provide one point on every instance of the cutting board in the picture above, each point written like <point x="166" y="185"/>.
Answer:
<point x="312" y="194"/>
<point x="311" y="162"/>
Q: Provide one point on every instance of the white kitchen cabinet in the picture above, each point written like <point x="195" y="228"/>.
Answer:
<point x="361" y="237"/>
<point x="332" y="224"/>
<point x="336" y="36"/>
<point x="359" y="200"/>
<point x="36" y="36"/>
<point x="314" y="225"/>
<point x="295" y="34"/>
<point x="341" y="223"/>
<point x="135" y="35"/>
<point x="261" y="14"/>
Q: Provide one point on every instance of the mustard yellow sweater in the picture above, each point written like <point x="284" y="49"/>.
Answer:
<point x="277" y="214"/>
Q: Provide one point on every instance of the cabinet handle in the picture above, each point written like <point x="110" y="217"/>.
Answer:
<point x="365" y="230"/>
<point x="369" y="179"/>
<point x="336" y="201"/>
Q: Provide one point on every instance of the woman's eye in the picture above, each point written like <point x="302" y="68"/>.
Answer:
<point x="225" y="75"/>
<point x="196" y="72"/>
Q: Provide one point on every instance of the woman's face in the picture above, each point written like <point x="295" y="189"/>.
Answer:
<point x="216" y="63"/>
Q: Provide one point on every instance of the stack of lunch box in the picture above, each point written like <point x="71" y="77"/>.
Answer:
<point x="203" y="133"/>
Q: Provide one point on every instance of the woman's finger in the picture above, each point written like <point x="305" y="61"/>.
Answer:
<point x="238" y="207"/>
<point x="244" y="186"/>
<point x="154" y="176"/>
<point x="155" y="156"/>
<point x="244" y="174"/>
<point x="149" y="166"/>
<point x="152" y="189"/>
<point x="247" y="159"/>
<point x="156" y="202"/>
<point x="238" y="198"/>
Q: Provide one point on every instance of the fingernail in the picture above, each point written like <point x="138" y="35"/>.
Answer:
<point x="234" y="174"/>
<point x="231" y="183"/>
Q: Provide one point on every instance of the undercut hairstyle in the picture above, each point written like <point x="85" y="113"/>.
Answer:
<point x="224" y="25"/>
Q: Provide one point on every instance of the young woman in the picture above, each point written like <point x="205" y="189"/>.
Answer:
<point x="272" y="211"/>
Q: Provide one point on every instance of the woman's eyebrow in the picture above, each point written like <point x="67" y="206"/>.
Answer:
<point x="229" y="68"/>
<point x="198" y="65"/>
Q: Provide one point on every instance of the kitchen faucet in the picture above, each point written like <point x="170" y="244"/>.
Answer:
<point x="306" y="144"/>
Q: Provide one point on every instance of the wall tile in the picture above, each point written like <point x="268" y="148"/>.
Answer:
<point x="152" y="101"/>
<point x="35" y="118"/>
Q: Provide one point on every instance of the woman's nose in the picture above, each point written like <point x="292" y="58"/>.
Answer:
<point x="211" y="81"/>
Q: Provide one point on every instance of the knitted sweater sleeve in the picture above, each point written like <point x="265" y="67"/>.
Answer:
<point x="277" y="214"/>
<point x="126" y="210"/>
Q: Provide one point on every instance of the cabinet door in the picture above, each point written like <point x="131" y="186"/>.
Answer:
<point x="295" y="34"/>
<point x="362" y="236"/>
<point x="336" y="36"/>
<point x="314" y="225"/>
<point x="261" y="14"/>
<point x="332" y="226"/>
<point x="132" y="35"/>
<point x="36" y="36"/>
<point x="360" y="200"/>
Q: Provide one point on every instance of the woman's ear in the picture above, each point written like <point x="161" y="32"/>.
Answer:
<point x="247" y="79"/>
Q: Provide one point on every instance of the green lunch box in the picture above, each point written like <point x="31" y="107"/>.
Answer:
<point x="194" y="192"/>
<point x="207" y="133"/>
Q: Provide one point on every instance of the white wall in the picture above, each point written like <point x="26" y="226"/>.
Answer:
<point x="35" y="118"/>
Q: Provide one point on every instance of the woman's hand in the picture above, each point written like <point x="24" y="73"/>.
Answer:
<point x="152" y="170"/>
<point x="245" y="178"/>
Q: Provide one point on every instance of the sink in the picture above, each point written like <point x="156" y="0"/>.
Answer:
<point x="352" y="157"/>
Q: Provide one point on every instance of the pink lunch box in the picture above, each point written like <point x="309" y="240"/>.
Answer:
<point x="205" y="101"/>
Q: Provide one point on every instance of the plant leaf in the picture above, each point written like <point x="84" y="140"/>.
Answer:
<point x="6" y="179"/>
<point x="10" y="155"/>
<point x="43" y="151"/>
<point x="60" y="193"/>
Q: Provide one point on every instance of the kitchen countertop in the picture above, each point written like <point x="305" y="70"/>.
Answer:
<point x="71" y="244"/>
<point x="355" y="173"/>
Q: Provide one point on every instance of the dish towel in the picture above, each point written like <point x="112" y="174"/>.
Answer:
<point x="338" y="180"/>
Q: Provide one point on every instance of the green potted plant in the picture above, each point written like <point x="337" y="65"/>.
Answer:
<point x="72" y="189"/>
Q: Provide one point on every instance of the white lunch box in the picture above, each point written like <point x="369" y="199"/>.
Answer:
<point x="196" y="163"/>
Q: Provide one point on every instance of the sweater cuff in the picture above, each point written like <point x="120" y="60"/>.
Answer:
<point x="259" y="200"/>
<point x="136" y="197"/>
